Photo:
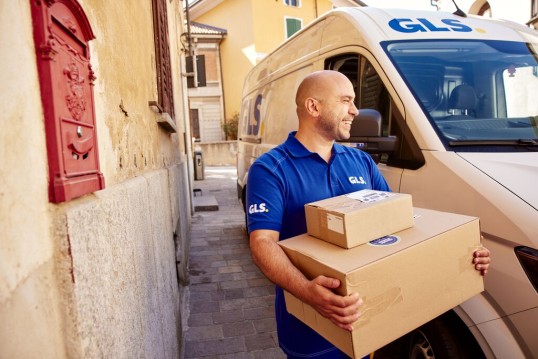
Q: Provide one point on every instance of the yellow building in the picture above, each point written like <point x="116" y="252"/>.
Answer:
<point x="94" y="179"/>
<point x="250" y="29"/>
<point x="253" y="29"/>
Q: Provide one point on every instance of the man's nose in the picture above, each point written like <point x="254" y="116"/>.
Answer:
<point x="354" y="110"/>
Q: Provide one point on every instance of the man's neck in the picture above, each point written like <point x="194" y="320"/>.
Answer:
<point x="314" y="142"/>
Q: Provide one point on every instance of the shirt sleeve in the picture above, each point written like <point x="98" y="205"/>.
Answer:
<point x="265" y="198"/>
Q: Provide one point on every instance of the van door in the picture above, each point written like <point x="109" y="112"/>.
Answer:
<point x="374" y="91"/>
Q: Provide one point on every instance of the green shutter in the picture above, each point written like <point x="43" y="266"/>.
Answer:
<point x="292" y="26"/>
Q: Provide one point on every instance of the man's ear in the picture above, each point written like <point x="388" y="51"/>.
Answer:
<point x="312" y="106"/>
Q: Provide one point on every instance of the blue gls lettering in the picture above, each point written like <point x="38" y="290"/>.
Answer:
<point x="396" y="24"/>
<point x="424" y="25"/>
<point x="431" y="26"/>
<point x="456" y="25"/>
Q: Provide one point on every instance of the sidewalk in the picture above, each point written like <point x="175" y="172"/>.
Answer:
<point x="230" y="301"/>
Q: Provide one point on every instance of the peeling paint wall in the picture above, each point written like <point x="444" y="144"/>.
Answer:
<point x="94" y="277"/>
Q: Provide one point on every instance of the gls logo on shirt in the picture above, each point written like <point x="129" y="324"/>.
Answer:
<point x="354" y="180"/>
<point x="257" y="208"/>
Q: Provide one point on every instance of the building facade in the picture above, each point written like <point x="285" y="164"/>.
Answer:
<point x="254" y="28"/>
<point x="95" y="179"/>
<point x="206" y="100"/>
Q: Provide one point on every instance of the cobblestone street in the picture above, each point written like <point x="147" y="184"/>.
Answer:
<point x="231" y="302"/>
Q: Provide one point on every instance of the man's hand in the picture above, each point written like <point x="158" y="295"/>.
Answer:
<point x="342" y="311"/>
<point x="481" y="260"/>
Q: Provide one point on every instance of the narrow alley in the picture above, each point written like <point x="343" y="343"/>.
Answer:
<point x="230" y="302"/>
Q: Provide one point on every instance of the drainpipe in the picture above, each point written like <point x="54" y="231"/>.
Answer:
<point x="189" y="46"/>
<point x="186" y="113"/>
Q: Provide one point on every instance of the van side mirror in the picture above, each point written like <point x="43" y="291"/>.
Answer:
<point x="366" y="135"/>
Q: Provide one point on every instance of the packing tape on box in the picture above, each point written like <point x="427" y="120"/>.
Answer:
<point x="373" y="306"/>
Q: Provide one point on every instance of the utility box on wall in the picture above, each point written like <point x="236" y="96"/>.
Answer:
<point x="61" y="36"/>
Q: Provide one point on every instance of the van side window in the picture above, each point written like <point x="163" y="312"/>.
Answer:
<point x="371" y="93"/>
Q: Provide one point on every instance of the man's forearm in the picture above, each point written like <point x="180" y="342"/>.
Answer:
<point x="276" y="266"/>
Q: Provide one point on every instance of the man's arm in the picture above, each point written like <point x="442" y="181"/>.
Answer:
<point x="273" y="262"/>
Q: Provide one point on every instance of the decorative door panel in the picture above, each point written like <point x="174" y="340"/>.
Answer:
<point x="61" y="35"/>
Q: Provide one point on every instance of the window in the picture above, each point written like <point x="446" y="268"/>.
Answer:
<point x="292" y="26"/>
<point x="534" y="8"/>
<point x="371" y="93"/>
<point x="195" y="124"/>
<point x="162" y="57"/>
<point x="295" y="3"/>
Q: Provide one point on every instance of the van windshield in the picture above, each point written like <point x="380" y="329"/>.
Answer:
<point x="475" y="93"/>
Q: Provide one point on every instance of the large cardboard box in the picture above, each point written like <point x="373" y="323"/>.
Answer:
<point x="405" y="279"/>
<point x="356" y="218"/>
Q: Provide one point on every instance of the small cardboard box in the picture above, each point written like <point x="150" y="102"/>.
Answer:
<point x="405" y="279"/>
<point x="359" y="217"/>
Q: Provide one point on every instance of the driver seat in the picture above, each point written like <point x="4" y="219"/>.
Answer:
<point x="462" y="102"/>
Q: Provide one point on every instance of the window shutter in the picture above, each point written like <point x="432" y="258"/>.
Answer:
<point x="292" y="26"/>
<point x="162" y="57"/>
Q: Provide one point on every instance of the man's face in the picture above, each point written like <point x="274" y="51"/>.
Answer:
<point x="338" y="111"/>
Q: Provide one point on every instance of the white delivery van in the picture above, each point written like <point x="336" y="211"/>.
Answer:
<point x="449" y="109"/>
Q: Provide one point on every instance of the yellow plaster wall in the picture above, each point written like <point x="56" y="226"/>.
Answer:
<point x="30" y="324"/>
<point x="63" y="265"/>
<point x="237" y="49"/>
<point x="123" y="58"/>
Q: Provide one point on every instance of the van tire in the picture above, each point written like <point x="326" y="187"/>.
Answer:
<point x="445" y="337"/>
<point x="244" y="202"/>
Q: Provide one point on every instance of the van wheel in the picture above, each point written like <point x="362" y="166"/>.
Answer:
<point x="244" y="202"/>
<point x="445" y="337"/>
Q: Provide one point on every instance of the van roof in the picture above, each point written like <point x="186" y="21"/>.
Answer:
<point x="404" y="24"/>
<point x="375" y="25"/>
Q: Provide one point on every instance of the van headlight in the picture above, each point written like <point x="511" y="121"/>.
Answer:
<point x="528" y="257"/>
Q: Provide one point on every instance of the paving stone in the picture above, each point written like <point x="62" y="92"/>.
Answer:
<point x="204" y="307"/>
<point x="238" y="329"/>
<point x="234" y="293"/>
<point x="259" y="313"/>
<point x="198" y="349"/>
<point x="244" y="355"/>
<point x="200" y="319"/>
<point x="204" y="333"/>
<point x="271" y="353"/>
<point x="229" y="316"/>
<point x="259" y="341"/>
<point x="256" y="292"/>
<point x="266" y="325"/>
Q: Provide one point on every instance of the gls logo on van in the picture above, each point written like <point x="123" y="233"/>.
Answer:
<point x="257" y="208"/>
<point x="424" y="25"/>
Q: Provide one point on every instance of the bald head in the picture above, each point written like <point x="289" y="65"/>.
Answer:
<point x="320" y="85"/>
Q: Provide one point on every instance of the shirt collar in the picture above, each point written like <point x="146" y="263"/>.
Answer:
<point x="296" y="148"/>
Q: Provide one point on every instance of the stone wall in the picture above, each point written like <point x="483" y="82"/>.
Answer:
<point x="220" y="153"/>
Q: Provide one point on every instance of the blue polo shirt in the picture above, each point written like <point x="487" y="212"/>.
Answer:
<point x="280" y="183"/>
